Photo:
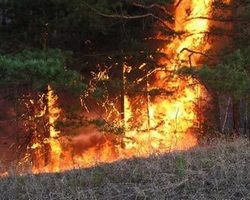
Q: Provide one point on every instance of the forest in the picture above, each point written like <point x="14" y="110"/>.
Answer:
<point x="90" y="82"/>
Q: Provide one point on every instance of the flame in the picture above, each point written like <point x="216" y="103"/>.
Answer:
<point x="171" y="118"/>
<point x="55" y="150"/>
<point x="169" y="121"/>
<point x="54" y="114"/>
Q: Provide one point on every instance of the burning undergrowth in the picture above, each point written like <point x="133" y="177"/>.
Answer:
<point x="219" y="171"/>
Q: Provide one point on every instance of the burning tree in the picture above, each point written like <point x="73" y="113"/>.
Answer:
<point x="227" y="76"/>
<point x="25" y="78"/>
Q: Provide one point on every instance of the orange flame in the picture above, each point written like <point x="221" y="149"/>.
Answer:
<point x="54" y="114"/>
<point x="55" y="146"/>
<point x="170" y="119"/>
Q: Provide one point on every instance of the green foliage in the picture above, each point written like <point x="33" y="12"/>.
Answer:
<point x="230" y="77"/>
<point x="99" y="93"/>
<point x="98" y="175"/>
<point x="37" y="69"/>
<point x="31" y="20"/>
<point x="181" y="165"/>
<point x="67" y="22"/>
<point x="102" y="125"/>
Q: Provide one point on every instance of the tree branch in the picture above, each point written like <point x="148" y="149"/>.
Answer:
<point x="129" y="17"/>
<point x="178" y="3"/>
<point x="194" y="52"/>
<point x="162" y="8"/>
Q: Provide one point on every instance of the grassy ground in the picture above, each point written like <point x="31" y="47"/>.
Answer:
<point x="220" y="171"/>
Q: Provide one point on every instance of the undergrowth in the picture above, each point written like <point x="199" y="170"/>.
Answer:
<point x="218" y="171"/>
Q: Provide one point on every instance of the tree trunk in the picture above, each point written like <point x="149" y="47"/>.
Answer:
<point x="123" y="109"/>
<point x="236" y="118"/>
<point x="226" y="114"/>
<point x="148" y="102"/>
<point x="246" y="129"/>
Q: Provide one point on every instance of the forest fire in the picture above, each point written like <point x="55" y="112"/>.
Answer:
<point x="170" y="120"/>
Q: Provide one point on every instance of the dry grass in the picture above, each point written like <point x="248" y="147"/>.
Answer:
<point x="221" y="171"/>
